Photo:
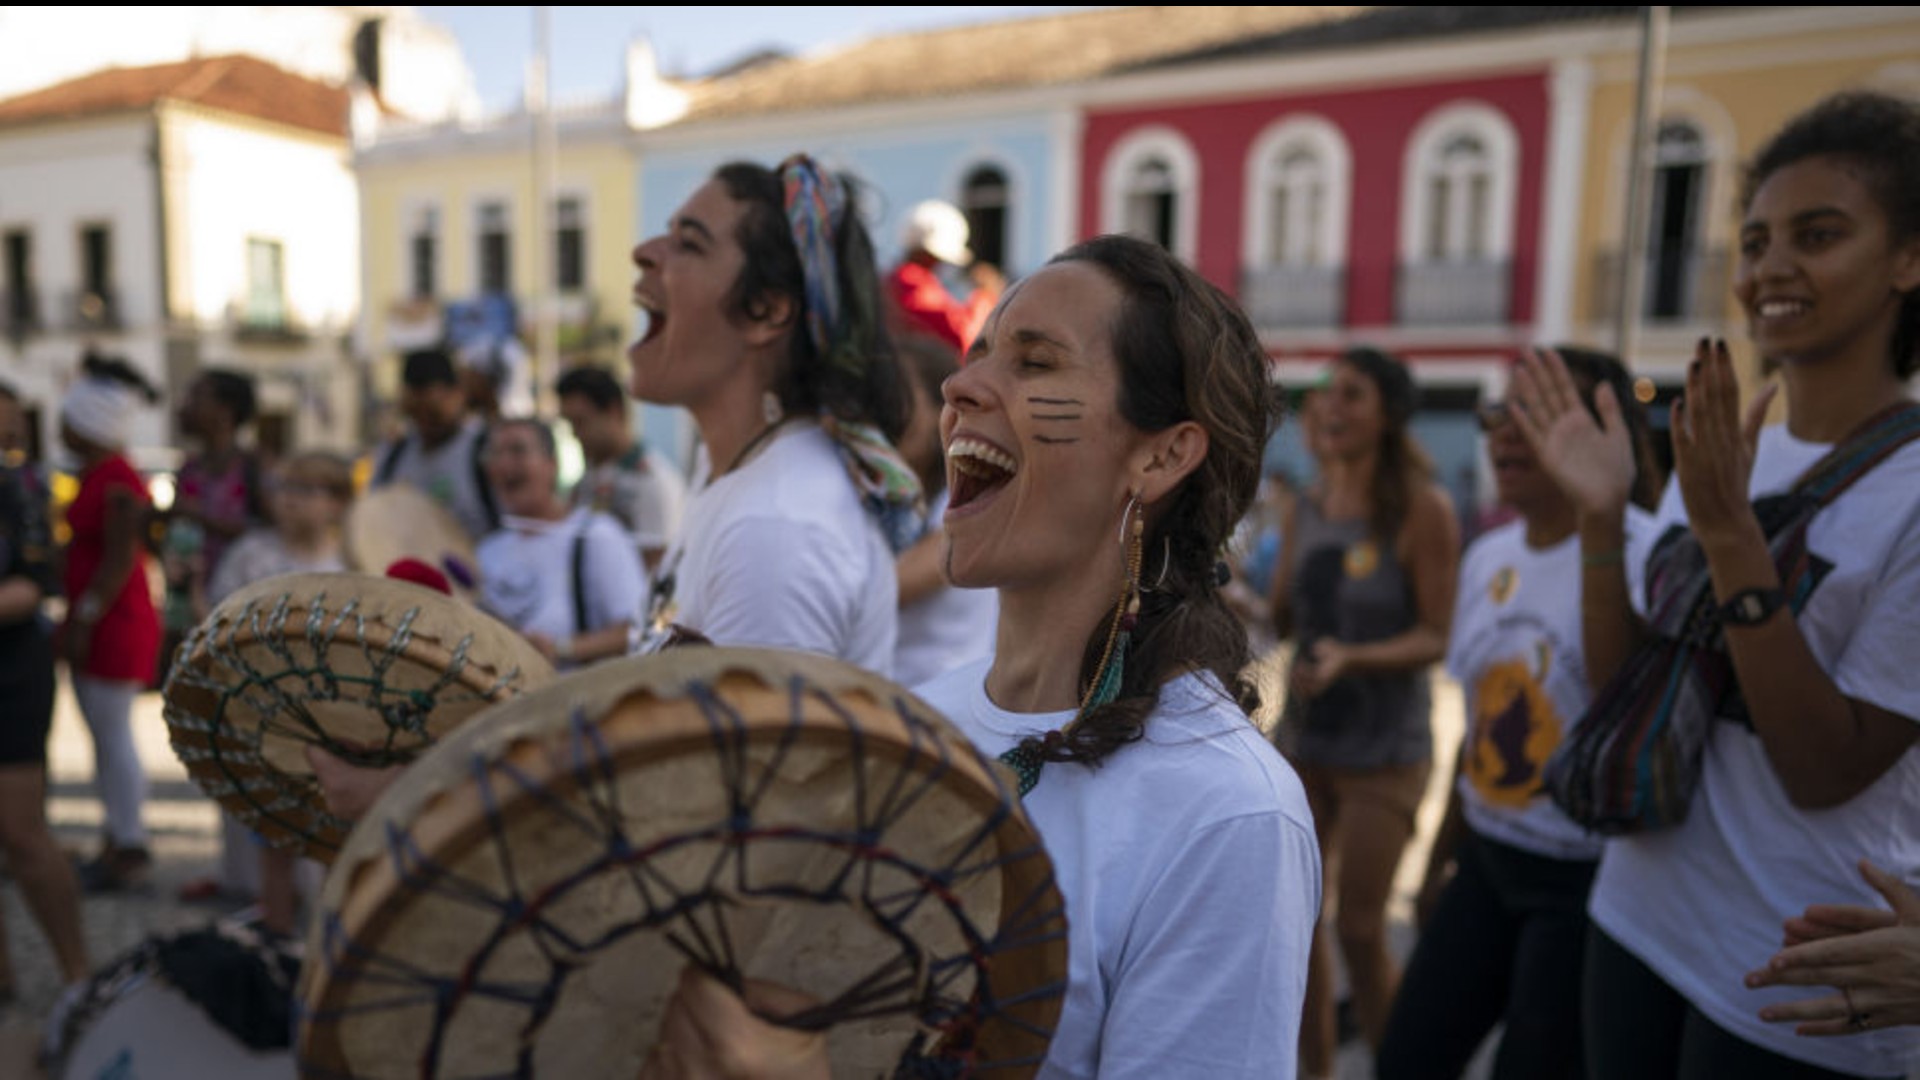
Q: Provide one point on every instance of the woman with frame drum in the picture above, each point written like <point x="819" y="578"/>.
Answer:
<point x="1102" y="441"/>
<point x="1811" y="760"/>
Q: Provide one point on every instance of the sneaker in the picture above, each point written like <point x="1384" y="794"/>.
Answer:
<point x="118" y="869"/>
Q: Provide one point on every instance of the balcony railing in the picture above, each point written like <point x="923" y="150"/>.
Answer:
<point x="1680" y="286"/>
<point x="93" y="311"/>
<point x="1294" y="297"/>
<point x="266" y="324"/>
<point x="20" y="313"/>
<point x="1454" y="293"/>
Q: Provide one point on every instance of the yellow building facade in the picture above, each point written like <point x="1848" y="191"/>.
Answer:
<point x="448" y="215"/>
<point x="1733" y="77"/>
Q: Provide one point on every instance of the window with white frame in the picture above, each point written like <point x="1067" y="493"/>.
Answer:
<point x="569" y="243"/>
<point x="1458" y="196"/>
<point x="1299" y="176"/>
<point x="495" y="250"/>
<point x="1150" y="187"/>
<point x="266" y="283"/>
<point x="423" y="252"/>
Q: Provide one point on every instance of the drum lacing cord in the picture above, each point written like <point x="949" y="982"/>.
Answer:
<point x="280" y="695"/>
<point x="949" y="995"/>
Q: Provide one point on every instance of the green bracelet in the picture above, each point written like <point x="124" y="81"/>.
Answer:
<point x="1616" y="557"/>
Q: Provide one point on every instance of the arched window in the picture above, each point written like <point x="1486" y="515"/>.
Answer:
<point x="1149" y="189"/>
<point x="1295" y="246"/>
<point x="1458" y="199"/>
<point x="1457" y="215"/>
<point x="986" y="198"/>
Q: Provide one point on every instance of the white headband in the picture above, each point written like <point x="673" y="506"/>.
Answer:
<point x="97" y="410"/>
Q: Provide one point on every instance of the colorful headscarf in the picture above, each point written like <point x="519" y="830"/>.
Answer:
<point x="817" y="205"/>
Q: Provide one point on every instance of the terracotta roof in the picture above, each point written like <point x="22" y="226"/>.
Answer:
<point x="1005" y="55"/>
<point x="237" y="84"/>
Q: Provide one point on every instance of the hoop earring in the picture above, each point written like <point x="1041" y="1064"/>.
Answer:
<point x="1166" y="563"/>
<point x="1126" y="614"/>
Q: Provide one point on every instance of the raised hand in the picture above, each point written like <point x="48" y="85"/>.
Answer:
<point x="1875" y="969"/>
<point x="1713" y="447"/>
<point x="1591" y="460"/>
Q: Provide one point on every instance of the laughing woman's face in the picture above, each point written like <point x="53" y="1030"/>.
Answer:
<point x="1037" y="451"/>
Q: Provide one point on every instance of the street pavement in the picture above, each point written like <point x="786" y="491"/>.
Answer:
<point x="184" y="830"/>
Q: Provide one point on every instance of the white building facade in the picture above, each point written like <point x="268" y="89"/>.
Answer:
<point x="215" y="224"/>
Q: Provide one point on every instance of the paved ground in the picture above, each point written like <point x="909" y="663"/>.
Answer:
<point x="185" y="838"/>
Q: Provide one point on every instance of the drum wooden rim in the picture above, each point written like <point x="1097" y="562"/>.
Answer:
<point x="645" y="715"/>
<point x="422" y="628"/>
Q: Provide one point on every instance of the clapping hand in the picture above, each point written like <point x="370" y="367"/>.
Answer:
<point x="1324" y="664"/>
<point x="1713" y="447"/>
<point x="1870" y="956"/>
<point x="1591" y="459"/>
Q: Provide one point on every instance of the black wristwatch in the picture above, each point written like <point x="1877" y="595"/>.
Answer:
<point x="1751" y="607"/>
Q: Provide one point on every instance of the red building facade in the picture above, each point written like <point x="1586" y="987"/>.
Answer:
<point x="1403" y="209"/>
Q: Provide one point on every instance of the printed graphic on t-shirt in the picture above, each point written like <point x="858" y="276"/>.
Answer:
<point x="1515" y="728"/>
<point x="1501" y="588"/>
<point x="1362" y="559"/>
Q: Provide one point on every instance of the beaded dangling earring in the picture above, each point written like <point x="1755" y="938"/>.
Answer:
<point x="1028" y="756"/>
<point x="770" y="408"/>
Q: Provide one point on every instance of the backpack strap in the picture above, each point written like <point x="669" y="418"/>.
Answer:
<point x="389" y="462"/>
<point x="480" y="484"/>
<point x="1856" y="455"/>
<point x="580" y="577"/>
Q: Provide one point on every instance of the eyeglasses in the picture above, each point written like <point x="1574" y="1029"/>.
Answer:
<point x="1493" y="415"/>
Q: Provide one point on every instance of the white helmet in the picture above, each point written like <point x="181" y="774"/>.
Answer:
<point x="939" y="229"/>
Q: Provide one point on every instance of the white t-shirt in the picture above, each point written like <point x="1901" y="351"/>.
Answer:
<point x="1516" y="650"/>
<point x="781" y="553"/>
<point x="1191" y="878"/>
<point x="642" y="490"/>
<point x="526" y="571"/>
<point x="447" y="473"/>
<point x="1702" y="904"/>
<point x="258" y="555"/>
<point x="946" y="629"/>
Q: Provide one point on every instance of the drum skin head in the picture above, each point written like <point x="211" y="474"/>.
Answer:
<point x="523" y="900"/>
<point x="399" y="521"/>
<point x="371" y="669"/>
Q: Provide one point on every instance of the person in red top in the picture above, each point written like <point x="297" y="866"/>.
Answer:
<point x="112" y="636"/>
<point x="937" y="233"/>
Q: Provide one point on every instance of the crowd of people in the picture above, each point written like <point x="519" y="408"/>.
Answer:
<point x="1024" y="503"/>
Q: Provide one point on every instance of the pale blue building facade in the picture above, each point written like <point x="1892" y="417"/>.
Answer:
<point x="1023" y="162"/>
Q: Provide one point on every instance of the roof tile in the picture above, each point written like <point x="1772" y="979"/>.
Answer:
<point x="239" y="84"/>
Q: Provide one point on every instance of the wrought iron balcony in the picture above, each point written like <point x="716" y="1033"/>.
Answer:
<point x="93" y="311"/>
<point x="20" y="313"/>
<point x="1295" y="297"/>
<point x="1476" y="293"/>
<point x="1684" y="285"/>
